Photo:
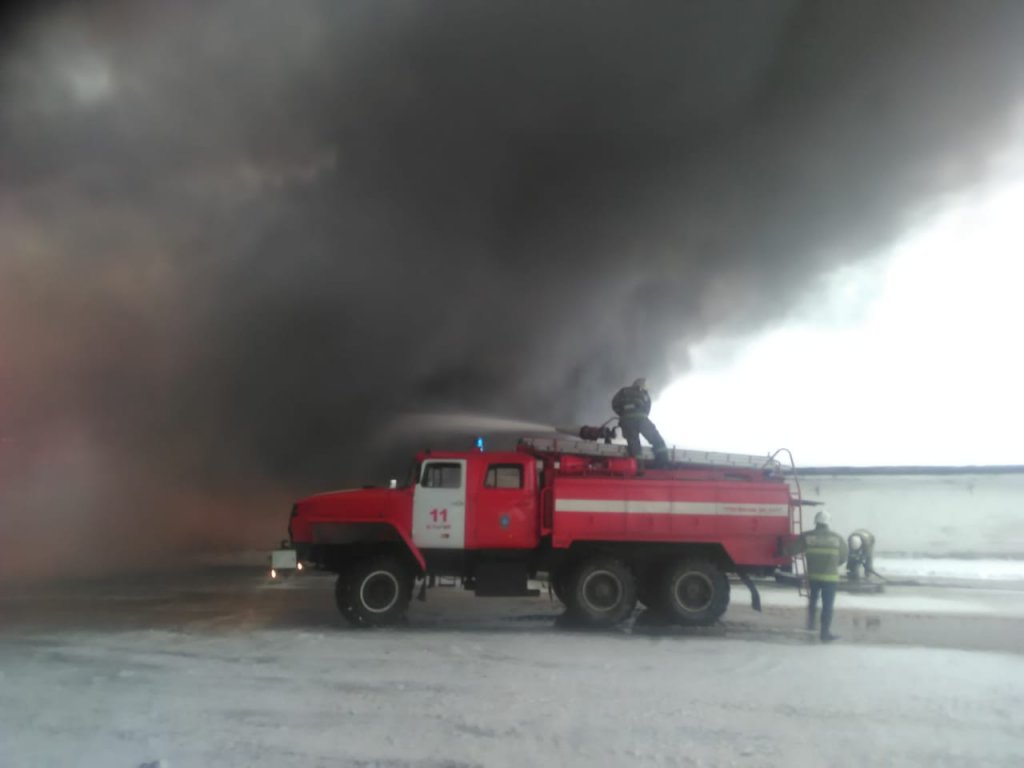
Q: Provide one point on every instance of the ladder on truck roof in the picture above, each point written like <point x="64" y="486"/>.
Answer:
<point x="577" y="446"/>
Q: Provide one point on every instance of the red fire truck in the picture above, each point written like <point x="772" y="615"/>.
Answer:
<point x="605" y="534"/>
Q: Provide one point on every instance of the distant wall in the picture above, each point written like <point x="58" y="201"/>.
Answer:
<point x="945" y="514"/>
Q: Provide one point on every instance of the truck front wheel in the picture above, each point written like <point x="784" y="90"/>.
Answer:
<point x="601" y="592"/>
<point x="374" y="592"/>
<point x="693" y="592"/>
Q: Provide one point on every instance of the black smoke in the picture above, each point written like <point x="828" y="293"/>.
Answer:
<point x="237" y="238"/>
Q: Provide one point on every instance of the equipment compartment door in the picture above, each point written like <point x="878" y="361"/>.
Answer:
<point x="439" y="505"/>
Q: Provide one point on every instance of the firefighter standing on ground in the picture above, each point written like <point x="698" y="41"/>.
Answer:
<point x="825" y="551"/>
<point x="632" y="405"/>
<point x="862" y="548"/>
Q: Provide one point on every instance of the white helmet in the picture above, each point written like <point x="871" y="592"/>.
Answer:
<point x="856" y="542"/>
<point x="823" y="517"/>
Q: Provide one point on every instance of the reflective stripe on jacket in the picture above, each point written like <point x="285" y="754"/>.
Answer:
<point x="825" y="552"/>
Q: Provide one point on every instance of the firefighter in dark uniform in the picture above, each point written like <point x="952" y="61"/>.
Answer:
<point x="825" y="551"/>
<point x="632" y="405"/>
<point x="862" y="550"/>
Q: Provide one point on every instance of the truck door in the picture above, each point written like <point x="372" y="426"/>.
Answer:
<point x="505" y="513"/>
<point x="439" y="505"/>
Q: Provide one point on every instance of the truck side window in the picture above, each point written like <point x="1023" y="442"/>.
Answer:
<point x="440" y="475"/>
<point x="504" y="476"/>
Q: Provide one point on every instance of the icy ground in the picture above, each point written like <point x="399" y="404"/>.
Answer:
<point x="945" y="569"/>
<point x="252" y="676"/>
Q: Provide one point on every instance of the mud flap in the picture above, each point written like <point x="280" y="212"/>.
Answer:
<point x="755" y="596"/>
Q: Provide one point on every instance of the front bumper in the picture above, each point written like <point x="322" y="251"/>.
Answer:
<point x="284" y="562"/>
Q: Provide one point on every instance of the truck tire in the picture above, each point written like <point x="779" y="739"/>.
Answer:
<point x="341" y="587"/>
<point x="601" y="592"/>
<point x="693" y="593"/>
<point x="558" y="581"/>
<point x="374" y="592"/>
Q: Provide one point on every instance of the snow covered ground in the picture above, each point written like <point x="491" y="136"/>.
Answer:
<point x="254" y="675"/>
<point x="943" y="569"/>
<point x="935" y="602"/>
<point x="399" y="698"/>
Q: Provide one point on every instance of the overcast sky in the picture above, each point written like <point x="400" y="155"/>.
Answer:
<point x="913" y="357"/>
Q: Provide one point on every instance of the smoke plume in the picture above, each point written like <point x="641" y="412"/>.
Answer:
<point x="237" y="238"/>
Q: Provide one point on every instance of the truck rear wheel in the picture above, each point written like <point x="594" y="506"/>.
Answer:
<point x="559" y="580"/>
<point x="693" y="592"/>
<point x="601" y="592"/>
<point x="374" y="592"/>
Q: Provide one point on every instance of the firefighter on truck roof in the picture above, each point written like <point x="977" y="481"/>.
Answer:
<point x="825" y="551"/>
<point x="632" y="405"/>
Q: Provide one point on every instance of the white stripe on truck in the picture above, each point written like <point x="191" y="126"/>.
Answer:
<point x="627" y="506"/>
